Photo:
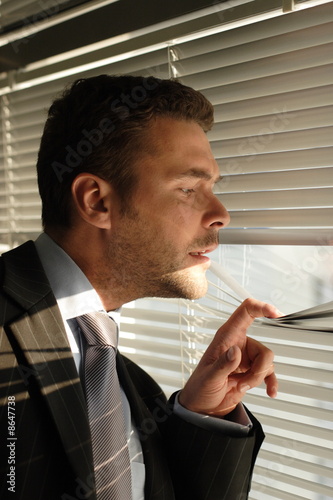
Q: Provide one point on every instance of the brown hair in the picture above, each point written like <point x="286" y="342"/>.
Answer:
<point x="98" y="126"/>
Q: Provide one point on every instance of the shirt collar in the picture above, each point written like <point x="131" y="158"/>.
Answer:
<point x="74" y="293"/>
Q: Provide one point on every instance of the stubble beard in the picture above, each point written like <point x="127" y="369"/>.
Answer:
<point x="186" y="283"/>
<point x="140" y="264"/>
<point x="137" y="276"/>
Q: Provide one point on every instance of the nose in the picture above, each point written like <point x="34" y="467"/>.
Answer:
<point x="216" y="216"/>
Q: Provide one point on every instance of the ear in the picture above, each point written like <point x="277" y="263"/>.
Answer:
<point x="92" y="199"/>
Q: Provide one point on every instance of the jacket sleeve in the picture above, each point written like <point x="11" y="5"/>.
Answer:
<point x="204" y="464"/>
<point x="208" y="464"/>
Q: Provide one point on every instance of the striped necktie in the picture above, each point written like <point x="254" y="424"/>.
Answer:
<point x="105" y="411"/>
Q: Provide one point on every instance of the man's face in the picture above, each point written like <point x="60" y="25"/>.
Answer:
<point x="173" y="218"/>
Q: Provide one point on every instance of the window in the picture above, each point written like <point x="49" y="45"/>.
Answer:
<point x="268" y="71"/>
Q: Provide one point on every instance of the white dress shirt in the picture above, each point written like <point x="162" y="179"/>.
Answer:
<point x="76" y="296"/>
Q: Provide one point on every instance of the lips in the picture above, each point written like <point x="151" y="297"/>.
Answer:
<point x="202" y="252"/>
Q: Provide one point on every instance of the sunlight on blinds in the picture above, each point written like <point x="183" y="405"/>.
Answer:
<point x="296" y="460"/>
<point x="272" y="91"/>
<point x="270" y="82"/>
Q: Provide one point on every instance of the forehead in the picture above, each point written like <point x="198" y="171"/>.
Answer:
<point x="177" y="148"/>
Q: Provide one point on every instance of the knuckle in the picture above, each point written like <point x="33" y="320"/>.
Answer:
<point x="250" y="302"/>
<point x="270" y="354"/>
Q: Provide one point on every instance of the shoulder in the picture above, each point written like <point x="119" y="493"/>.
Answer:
<point x="19" y="259"/>
<point x="23" y="282"/>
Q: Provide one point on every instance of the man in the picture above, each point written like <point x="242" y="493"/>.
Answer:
<point x="126" y="177"/>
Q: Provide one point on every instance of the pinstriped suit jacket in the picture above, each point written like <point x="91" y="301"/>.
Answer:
<point x="48" y="456"/>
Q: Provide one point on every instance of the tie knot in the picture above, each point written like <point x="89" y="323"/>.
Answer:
<point x="98" y="329"/>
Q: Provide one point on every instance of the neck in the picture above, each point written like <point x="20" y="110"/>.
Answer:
<point x="90" y="255"/>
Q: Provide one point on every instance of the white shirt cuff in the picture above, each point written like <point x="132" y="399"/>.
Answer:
<point x="240" y="425"/>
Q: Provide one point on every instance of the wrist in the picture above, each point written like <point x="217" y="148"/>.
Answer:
<point x="221" y="413"/>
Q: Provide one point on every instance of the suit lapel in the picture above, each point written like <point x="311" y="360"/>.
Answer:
<point x="46" y="355"/>
<point x="158" y="484"/>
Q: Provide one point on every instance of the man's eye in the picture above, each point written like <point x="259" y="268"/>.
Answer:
<point x="187" y="191"/>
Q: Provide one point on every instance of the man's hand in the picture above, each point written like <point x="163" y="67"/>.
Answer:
<point x="232" y="364"/>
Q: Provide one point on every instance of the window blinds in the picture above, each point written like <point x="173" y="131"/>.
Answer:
<point x="272" y="89"/>
<point x="22" y="122"/>
<point x="23" y="118"/>
<point x="270" y="82"/>
<point x="296" y="459"/>
<point x="27" y="12"/>
<point x="271" y="85"/>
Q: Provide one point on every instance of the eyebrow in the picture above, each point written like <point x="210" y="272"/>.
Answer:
<point x="199" y="174"/>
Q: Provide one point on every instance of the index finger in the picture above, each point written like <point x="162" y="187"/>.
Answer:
<point x="244" y="316"/>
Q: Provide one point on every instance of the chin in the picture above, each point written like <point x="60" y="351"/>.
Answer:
<point x="198" y="280"/>
<point x="197" y="292"/>
<point x="189" y="285"/>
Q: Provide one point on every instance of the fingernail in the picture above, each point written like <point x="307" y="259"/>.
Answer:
<point x="244" y="388"/>
<point x="231" y="354"/>
<point x="274" y="392"/>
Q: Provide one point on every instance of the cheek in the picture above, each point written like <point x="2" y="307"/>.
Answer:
<point x="188" y="215"/>
<point x="175" y="219"/>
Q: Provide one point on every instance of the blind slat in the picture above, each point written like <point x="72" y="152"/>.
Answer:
<point x="309" y="178"/>
<point x="288" y="26"/>
<point x="301" y="469"/>
<point x="277" y="161"/>
<point x="314" y="217"/>
<point x="279" y="121"/>
<point x="303" y="487"/>
<point x="290" y="409"/>
<point x="268" y="142"/>
<point x="311" y="452"/>
<point x="265" y="200"/>
<point x="292" y="429"/>
<point x="219" y="92"/>
<point x="277" y="236"/>
<point x="264" y="68"/>
<point x="284" y="102"/>
<point x="270" y="50"/>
